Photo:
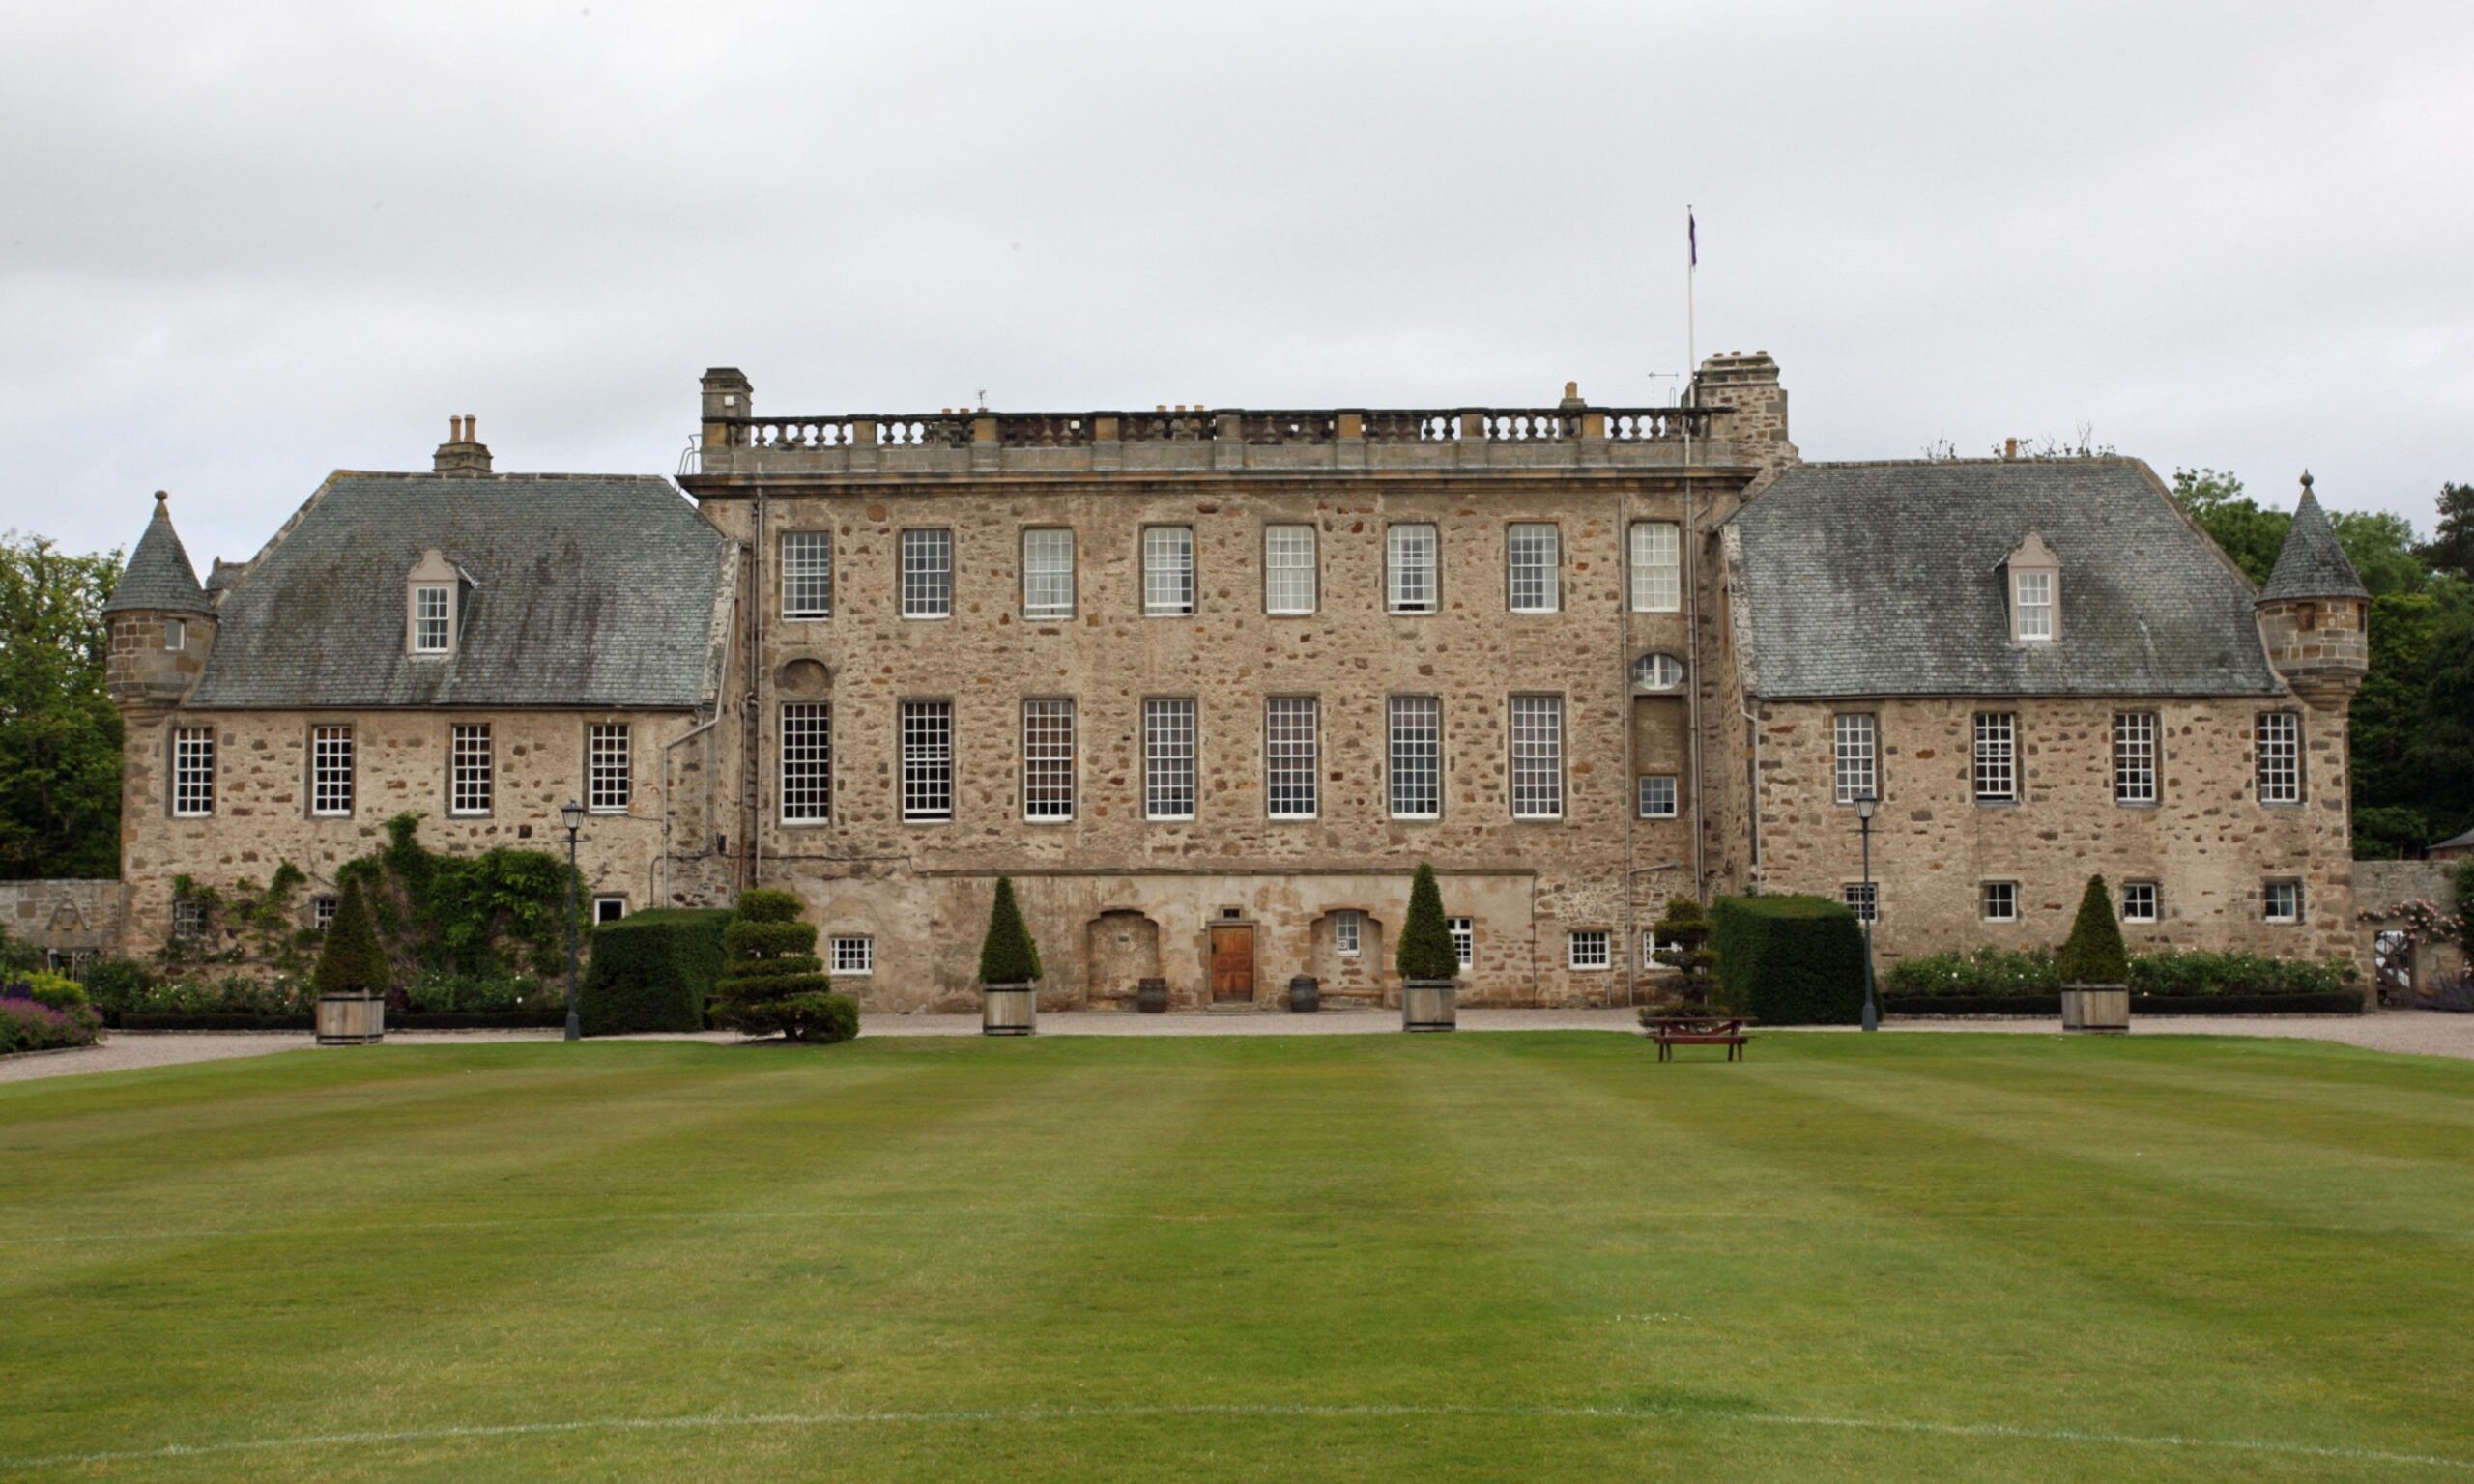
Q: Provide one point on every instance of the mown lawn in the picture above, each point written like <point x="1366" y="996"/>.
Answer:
<point x="1526" y="1257"/>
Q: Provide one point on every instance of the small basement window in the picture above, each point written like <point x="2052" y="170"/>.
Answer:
<point x="608" y="909"/>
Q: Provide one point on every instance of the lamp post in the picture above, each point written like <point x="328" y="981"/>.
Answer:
<point x="1866" y="804"/>
<point x="571" y="814"/>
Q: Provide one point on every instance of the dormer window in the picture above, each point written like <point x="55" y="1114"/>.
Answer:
<point x="432" y="607"/>
<point x="2033" y="574"/>
<point x="433" y="626"/>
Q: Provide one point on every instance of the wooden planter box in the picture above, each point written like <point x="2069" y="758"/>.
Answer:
<point x="1009" y="1010"/>
<point x="351" y="1020"/>
<point x="2096" y="1009"/>
<point x="1430" y="1004"/>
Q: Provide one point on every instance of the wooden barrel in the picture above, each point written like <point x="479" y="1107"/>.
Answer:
<point x="351" y="1020"/>
<point x="1304" y="994"/>
<point x="1151" y="996"/>
<point x="1430" y="1004"/>
<point x="1009" y="1010"/>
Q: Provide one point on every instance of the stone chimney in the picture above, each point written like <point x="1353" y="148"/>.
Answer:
<point x="1754" y="428"/>
<point x="463" y="453"/>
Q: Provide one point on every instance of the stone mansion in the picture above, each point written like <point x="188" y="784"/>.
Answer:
<point x="1208" y="684"/>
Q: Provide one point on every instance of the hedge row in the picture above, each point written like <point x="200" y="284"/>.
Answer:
<point x="2343" y="1003"/>
<point x="1790" y="960"/>
<point x="2001" y="974"/>
<point x="396" y="1021"/>
<point x="653" y="971"/>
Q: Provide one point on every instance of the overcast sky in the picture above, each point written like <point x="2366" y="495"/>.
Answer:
<point x="243" y="244"/>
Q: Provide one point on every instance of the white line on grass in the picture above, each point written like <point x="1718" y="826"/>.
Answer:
<point x="1239" y="1411"/>
<point x="1175" y="1218"/>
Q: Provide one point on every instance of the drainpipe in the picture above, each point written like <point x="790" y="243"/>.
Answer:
<point x="752" y="721"/>
<point x="1628" y="783"/>
<point x="1692" y="538"/>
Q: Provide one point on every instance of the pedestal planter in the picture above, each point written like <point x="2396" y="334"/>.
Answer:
<point x="2096" y="1009"/>
<point x="354" y="1019"/>
<point x="1151" y="996"/>
<point x="1430" y="1004"/>
<point x="1009" y="1010"/>
<point x="1304" y="994"/>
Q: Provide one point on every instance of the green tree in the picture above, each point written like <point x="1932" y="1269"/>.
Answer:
<point x="59" y="732"/>
<point x="2451" y="549"/>
<point x="351" y="961"/>
<point x="1425" y="940"/>
<point x="2232" y="519"/>
<point x="2094" y="954"/>
<point x="1684" y="937"/>
<point x="1007" y="955"/>
<point x="771" y="977"/>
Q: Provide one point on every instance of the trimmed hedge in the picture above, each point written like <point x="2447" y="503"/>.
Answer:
<point x="2342" y="1003"/>
<point x="1790" y="960"/>
<point x="771" y="979"/>
<point x="1992" y="973"/>
<point x="1425" y="949"/>
<point x="653" y="971"/>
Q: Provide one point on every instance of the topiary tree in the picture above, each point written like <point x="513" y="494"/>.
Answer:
<point x="1007" y="955"/>
<point x="771" y="979"/>
<point x="2094" y="954"/>
<point x="1685" y="935"/>
<point x="352" y="960"/>
<point x="1425" y="938"/>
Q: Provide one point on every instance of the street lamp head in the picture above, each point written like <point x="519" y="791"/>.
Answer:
<point x="571" y="814"/>
<point x="1866" y="804"/>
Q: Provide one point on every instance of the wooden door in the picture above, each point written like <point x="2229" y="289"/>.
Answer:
<point x="1232" y="964"/>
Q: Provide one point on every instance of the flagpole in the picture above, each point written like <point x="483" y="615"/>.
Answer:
<point x="1691" y="268"/>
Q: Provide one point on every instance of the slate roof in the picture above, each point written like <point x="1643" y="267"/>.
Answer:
<point x="159" y="575"/>
<point x="586" y="590"/>
<point x="1859" y="580"/>
<point x="2312" y="564"/>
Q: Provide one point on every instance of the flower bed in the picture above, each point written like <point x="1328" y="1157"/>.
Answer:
<point x="29" y="1025"/>
<point x="1993" y="982"/>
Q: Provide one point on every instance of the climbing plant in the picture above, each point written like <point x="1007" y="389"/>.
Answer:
<point x="248" y="924"/>
<point x="497" y="913"/>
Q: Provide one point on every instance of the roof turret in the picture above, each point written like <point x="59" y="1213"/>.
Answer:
<point x="159" y="576"/>
<point x="2312" y="564"/>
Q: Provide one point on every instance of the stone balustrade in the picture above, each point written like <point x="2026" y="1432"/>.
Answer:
<point x="1198" y="437"/>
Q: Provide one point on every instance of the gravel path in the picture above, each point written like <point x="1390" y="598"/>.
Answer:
<point x="2419" y="1032"/>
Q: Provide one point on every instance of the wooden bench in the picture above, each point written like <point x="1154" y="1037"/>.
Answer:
<point x="1673" y="1031"/>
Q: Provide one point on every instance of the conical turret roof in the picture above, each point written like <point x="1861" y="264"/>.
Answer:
<point x="2311" y="564"/>
<point x="159" y="576"/>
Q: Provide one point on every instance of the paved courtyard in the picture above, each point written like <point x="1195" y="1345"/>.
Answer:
<point x="2416" y="1031"/>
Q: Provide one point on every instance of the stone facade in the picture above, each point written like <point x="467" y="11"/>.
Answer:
<point x="2207" y="842"/>
<point x="72" y="921"/>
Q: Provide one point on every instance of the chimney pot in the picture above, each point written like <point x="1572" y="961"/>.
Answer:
<point x="2009" y="448"/>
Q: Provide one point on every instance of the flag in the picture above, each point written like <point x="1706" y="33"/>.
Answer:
<point x="1692" y="237"/>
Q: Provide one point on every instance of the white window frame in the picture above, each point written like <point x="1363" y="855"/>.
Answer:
<point x="1856" y="753"/>
<point x="189" y="916"/>
<point x="2132" y="892"/>
<point x="2278" y="741"/>
<point x="1292" y="580"/>
<point x="1533" y="567"/>
<point x="1650" y="945"/>
<point x="927" y="572"/>
<point x="1536" y="724"/>
<point x="807" y="574"/>
<point x="2281" y="901"/>
<point x="333" y="774"/>
<point x="1169" y="572"/>
<point x="1292" y="757"/>
<point x="1048" y="761"/>
<point x="1589" y="950"/>
<point x="803" y="743"/>
<point x="433" y="619"/>
<point x="1172" y="751"/>
<point x="1657" y="673"/>
<point x="1048" y="574"/>
<point x="472" y="770"/>
<point x="2136" y="779"/>
<point x="2032" y="596"/>
<point x="1999" y="900"/>
<point x="926" y="742"/>
<point x="1348" y="932"/>
<point x="1413" y="783"/>
<point x="850" y="955"/>
<point x="1658" y="567"/>
<point x="608" y="908"/>
<point x="192" y="772"/>
<point x="1997" y="758"/>
<point x="1864" y="899"/>
<point x="610" y="767"/>
<point x="176" y="634"/>
<point x="1657" y="795"/>
<point x="1413" y="569"/>
<point x="1464" y="941"/>
<point x="322" y="912"/>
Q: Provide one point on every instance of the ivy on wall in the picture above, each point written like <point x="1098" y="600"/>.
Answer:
<point x="495" y="915"/>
